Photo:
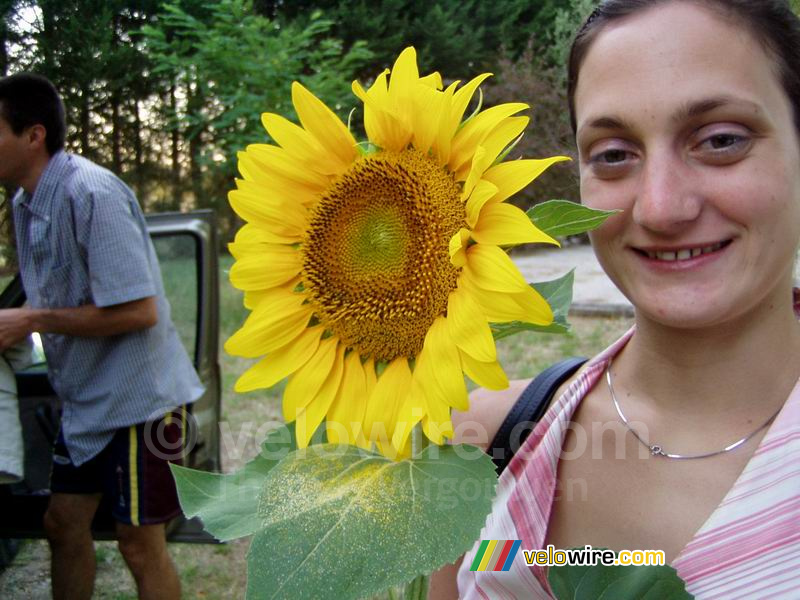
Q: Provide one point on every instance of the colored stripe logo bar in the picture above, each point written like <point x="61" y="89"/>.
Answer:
<point x="495" y="555"/>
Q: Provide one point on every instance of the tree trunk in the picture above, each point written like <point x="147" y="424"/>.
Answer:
<point x="175" y="173"/>
<point x="137" y="153"/>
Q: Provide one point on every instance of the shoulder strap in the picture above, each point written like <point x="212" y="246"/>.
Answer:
<point x="528" y="409"/>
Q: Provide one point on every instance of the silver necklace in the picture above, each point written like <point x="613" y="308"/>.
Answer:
<point x="657" y="449"/>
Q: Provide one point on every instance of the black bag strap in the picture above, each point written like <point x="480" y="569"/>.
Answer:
<point x="528" y="409"/>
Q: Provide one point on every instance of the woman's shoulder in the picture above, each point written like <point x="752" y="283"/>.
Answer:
<point x="489" y="408"/>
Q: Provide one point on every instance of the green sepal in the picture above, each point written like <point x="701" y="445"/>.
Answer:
<point x="341" y="522"/>
<point x="228" y="504"/>
<point x="560" y="218"/>
<point x="606" y="582"/>
<point x="558" y="294"/>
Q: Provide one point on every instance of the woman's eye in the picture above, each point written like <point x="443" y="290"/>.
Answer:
<point x="610" y="162"/>
<point x="610" y="157"/>
<point x="723" y="140"/>
<point x="723" y="148"/>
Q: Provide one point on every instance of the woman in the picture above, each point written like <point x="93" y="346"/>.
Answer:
<point x="687" y="117"/>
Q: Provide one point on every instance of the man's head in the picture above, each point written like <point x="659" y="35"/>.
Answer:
<point x="27" y="100"/>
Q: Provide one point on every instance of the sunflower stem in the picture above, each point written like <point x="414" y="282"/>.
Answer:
<point x="418" y="440"/>
<point x="417" y="589"/>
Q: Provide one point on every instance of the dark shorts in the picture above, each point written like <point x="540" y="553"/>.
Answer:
<point x="132" y="472"/>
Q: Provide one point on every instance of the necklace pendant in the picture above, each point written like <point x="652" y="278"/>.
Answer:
<point x="656" y="450"/>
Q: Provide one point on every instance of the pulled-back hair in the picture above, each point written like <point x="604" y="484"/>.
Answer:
<point x="771" y="22"/>
<point x="27" y="99"/>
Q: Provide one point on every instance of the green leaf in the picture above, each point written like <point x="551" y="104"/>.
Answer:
<point x="228" y="504"/>
<point x="605" y="582"/>
<point x="559" y="218"/>
<point x="558" y="294"/>
<point x="340" y="522"/>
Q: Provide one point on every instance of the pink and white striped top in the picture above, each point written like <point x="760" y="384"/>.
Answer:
<point x="749" y="548"/>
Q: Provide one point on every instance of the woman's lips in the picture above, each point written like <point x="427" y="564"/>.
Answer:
<point x="686" y="256"/>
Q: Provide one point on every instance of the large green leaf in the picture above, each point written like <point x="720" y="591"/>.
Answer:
<point x="558" y="294"/>
<point x="559" y="218"/>
<point x="603" y="582"/>
<point x="339" y="522"/>
<point x="228" y="504"/>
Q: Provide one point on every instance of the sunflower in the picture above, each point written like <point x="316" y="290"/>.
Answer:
<point x="372" y="273"/>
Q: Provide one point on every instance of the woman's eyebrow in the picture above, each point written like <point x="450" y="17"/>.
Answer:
<point x="698" y="108"/>
<point x="606" y="122"/>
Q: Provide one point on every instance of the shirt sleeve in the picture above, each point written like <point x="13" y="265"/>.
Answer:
<point x="114" y="241"/>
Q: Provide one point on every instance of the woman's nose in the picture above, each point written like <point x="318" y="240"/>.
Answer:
<point x="666" y="197"/>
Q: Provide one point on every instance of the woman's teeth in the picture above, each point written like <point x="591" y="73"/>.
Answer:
<point x="684" y="254"/>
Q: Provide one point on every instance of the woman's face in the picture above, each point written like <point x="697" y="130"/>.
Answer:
<point x="684" y="126"/>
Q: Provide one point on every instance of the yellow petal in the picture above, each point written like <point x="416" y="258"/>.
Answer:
<point x="410" y="413"/>
<point x="504" y="224"/>
<point x="252" y="233"/>
<point x="253" y="298"/>
<point x="428" y="108"/>
<point x="480" y="162"/>
<point x="492" y="269"/>
<point x="434" y="80"/>
<point x="458" y="248"/>
<point x="350" y="405"/>
<point x="437" y="429"/>
<point x="527" y="305"/>
<point x="384" y="128"/>
<point x="486" y="374"/>
<point x="271" y="325"/>
<point x="468" y="326"/>
<point x="477" y="130"/>
<point x="480" y="195"/>
<point x="263" y="266"/>
<point x="511" y="177"/>
<point x="300" y="144"/>
<point x="281" y="363"/>
<point x="444" y="135"/>
<point x="272" y="187"/>
<point x="461" y="100"/>
<point x="265" y="160"/>
<point x="309" y="419"/>
<point x="321" y="122"/>
<point x="503" y="135"/>
<point x="389" y="393"/>
<point x="440" y="370"/>
<point x="285" y="219"/>
<point x="307" y="381"/>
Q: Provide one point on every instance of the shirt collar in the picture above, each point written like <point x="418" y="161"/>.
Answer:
<point x="39" y="202"/>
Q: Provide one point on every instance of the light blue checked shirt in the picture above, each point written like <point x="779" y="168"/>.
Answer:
<point x="82" y="239"/>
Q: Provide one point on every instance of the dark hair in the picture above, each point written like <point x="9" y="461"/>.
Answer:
<point x="27" y="99"/>
<point x="771" y="22"/>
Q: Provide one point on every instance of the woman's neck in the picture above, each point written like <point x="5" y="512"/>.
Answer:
<point x="704" y="372"/>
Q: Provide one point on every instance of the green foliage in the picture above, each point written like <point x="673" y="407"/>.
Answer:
<point x="234" y="65"/>
<point x="228" y="504"/>
<point x="558" y="294"/>
<point x="618" y="583"/>
<point x="458" y="39"/>
<point x="561" y="218"/>
<point x="330" y="509"/>
<point x="339" y="522"/>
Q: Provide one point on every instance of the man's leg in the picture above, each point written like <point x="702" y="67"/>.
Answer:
<point x="144" y="549"/>
<point x="67" y="523"/>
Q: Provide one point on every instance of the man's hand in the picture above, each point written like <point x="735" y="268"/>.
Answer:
<point x="15" y="326"/>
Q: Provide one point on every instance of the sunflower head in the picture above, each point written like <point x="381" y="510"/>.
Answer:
<point x="372" y="277"/>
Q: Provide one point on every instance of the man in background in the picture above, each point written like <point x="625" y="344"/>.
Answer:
<point x="95" y="294"/>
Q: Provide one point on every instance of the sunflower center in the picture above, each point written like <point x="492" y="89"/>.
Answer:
<point x="376" y="260"/>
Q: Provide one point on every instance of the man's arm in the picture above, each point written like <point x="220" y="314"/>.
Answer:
<point x="82" y="321"/>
